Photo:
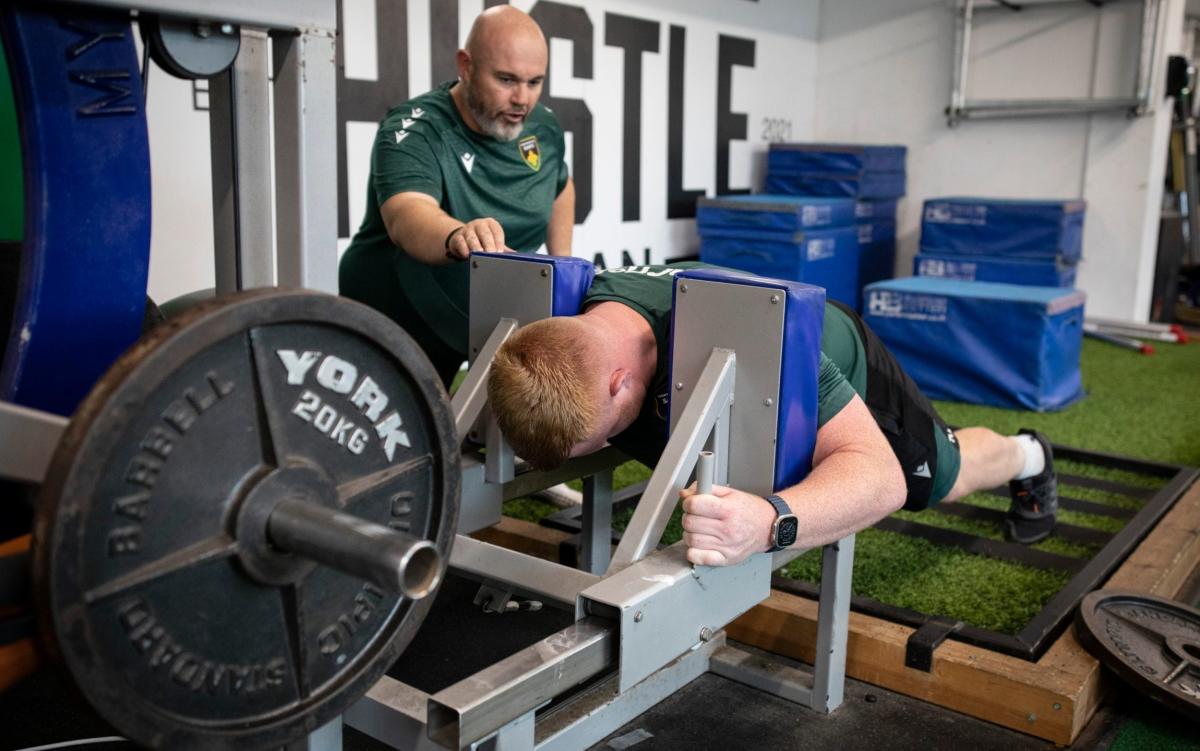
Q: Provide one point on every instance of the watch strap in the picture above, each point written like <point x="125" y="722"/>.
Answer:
<point x="781" y="509"/>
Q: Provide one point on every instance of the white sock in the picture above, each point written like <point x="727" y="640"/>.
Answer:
<point x="1035" y="456"/>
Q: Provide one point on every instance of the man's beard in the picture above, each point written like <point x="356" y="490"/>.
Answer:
<point x="492" y="126"/>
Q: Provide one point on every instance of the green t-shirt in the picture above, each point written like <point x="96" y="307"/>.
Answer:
<point x="648" y="290"/>
<point x="424" y="145"/>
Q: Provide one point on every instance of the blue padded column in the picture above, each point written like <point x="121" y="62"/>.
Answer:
<point x="85" y="257"/>
<point x="804" y="314"/>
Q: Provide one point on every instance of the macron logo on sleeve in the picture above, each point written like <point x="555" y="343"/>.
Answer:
<point x="468" y="160"/>
<point x="401" y="135"/>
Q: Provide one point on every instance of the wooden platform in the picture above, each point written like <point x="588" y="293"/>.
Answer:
<point x="1052" y="699"/>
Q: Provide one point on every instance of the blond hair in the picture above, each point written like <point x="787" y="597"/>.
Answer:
<point x="540" y="390"/>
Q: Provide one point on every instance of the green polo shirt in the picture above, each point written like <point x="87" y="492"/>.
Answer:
<point x="425" y="146"/>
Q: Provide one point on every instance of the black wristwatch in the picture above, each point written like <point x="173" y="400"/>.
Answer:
<point x="785" y="528"/>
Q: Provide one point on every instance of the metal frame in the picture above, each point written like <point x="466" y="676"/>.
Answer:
<point x="303" y="38"/>
<point x="1049" y="623"/>
<point x="652" y="621"/>
<point x="1140" y="102"/>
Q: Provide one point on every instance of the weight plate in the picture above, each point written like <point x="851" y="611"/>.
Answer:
<point x="86" y="155"/>
<point x="180" y="623"/>
<point x="1152" y="643"/>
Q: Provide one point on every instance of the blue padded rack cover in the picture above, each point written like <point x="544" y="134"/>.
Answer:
<point x="1009" y="227"/>
<point x="836" y="157"/>
<point x="774" y="213"/>
<point x="826" y="257"/>
<point x="867" y="185"/>
<point x="81" y="292"/>
<point x="796" y="431"/>
<point x="1003" y="345"/>
<point x="572" y="278"/>
<point x="1032" y="272"/>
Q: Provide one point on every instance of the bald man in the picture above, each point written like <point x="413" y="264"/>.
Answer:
<point x="475" y="164"/>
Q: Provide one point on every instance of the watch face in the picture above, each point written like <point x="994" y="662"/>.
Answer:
<point x="785" y="531"/>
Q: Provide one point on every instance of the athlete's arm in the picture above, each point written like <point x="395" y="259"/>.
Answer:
<point x="855" y="482"/>
<point x="562" y="221"/>
<point x="416" y="223"/>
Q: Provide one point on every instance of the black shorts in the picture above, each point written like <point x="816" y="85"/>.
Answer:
<point x="925" y="447"/>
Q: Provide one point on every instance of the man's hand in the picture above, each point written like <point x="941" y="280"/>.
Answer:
<point x="725" y="528"/>
<point x="478" y="234"/>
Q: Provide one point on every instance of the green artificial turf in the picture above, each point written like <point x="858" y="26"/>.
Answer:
<point x="1138" y="405"/>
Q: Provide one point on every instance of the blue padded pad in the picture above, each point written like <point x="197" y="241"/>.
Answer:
<point x="774" y="213"/>
<point x="1002" y="345"/>
<point x="572" y="278"/>
<point x="804" y="317"/>
<point x="998" y="226"/>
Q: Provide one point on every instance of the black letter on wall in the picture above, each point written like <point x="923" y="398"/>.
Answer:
<point x="443" y="40"/>
<point x="636" y="36"/>
<point x="369" y="101"/>
<point x="569" y="22"/>
<point x="680" y="203"/>
<point x="731" y="126"/>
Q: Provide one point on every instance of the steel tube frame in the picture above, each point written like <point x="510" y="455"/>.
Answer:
<point x="1139" y="102"/>
<point x="519" y="573"/>
<point x="29" y="437"/>
<point x="240" y="142"/>
<point x="482" y="704"/>
<point x="305" y="165"/>
<point x="712" y="394"/>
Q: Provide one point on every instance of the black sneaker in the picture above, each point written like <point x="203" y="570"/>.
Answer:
<point x="1034" y="500"/>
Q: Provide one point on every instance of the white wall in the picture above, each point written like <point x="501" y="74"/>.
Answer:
<point x="844" y="70"/>
<point x="884" y="75"/>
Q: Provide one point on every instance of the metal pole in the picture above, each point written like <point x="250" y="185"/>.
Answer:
<point x="381" y="555"/>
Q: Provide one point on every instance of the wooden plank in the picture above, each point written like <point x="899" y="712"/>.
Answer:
<point x="524" y="537"/>
<point x="1052" y="699"/>
<point x="17" y="660"/>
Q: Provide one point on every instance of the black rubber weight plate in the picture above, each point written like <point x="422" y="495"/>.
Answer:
<point x="1153" y="644"/>
<point x="144" y="587"/>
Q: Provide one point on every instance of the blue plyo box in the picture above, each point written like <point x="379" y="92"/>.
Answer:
<point x="866" y="185"/>
<point x="827" y="257"/>
<point x="836" y="157"/>
<point x="774" y="213"/>
<point x="1003" y="345"/>
<point x="1004" y="227"/>
<point x="867" y="210"/>
<point x="1032" y="272"/>
<point x="876" y="252"/>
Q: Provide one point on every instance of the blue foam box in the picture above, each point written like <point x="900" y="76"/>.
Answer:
<point x="1007" y="227"/>
<point x="1003" y="345"/>
<point x="867" y="210"/>
<point x="835" y="157"/>
<point x="774" y="213"/>
<point x="827" y="257"/>
<point x="1033" y="272"/>
<point x="868" y="185"/>
<point x="876" y="252"/>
